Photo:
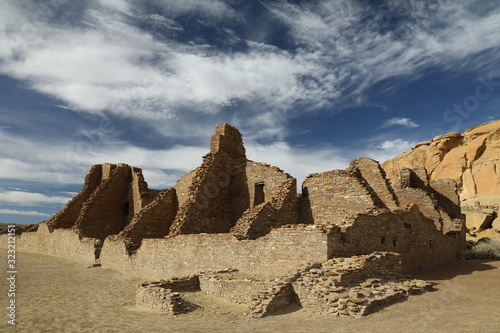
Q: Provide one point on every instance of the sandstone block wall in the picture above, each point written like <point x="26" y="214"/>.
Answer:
<point x="66" y="218"/>
<point x="151" y="296"/>
<point x="409" y="233"/>
<point x="333" y="197"/>
<point x="274" y="254"/>
<point x="108" y="210"/>
<point x="154" y="220"/>
<point x="63" y="243"/>
<point x="374" y="176"/>
<point x="111" y="196"/>
<point x="235" y="289"/>
<point x="226" y="187"/>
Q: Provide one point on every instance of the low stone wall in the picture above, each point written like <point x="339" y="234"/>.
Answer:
<point x="152" y="296"/>
<point x="354" y="286"/>
<point x="235" y="289"/>
<point x="272" y="255"/>
<point x="63" y="243"/>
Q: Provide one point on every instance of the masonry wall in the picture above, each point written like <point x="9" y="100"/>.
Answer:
<point x="274" y="254"/>
<point x="374" y="176"/>
<point x="208" y="206"/>
<point x="154" y="220"/>
<point x="426" y="203"/>
<point x="107" y="211"/>
<point x="182" y="187"/>
<point x="223" y="191"/>
<point x="272" y="178"/>
<point x="333" y="197"/>
<point x="139" y="193"/>
<point x="67" y="217"/>
<point x="446" y="193"/>
<point x="409" y="233"/>
<point x="62" y="243"/>
<point x="235" y="289"/>
<point x="283" y="208"/>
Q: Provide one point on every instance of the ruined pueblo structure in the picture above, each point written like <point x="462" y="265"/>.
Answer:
<point x="239" y="230"/>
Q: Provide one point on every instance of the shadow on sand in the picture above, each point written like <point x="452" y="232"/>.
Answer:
<point x="452" y="269"/>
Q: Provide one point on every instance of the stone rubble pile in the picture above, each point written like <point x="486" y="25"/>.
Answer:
<point x="354" y="286"/>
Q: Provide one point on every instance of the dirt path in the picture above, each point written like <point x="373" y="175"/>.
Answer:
<point x="54" y="295"/>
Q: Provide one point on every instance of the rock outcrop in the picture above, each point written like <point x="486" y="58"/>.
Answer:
<point x="472" y="159"/>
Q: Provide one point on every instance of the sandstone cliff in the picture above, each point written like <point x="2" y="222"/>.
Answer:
<point x="472" y="159"/>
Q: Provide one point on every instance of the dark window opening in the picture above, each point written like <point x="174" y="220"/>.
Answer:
<point x="430" y="243"/>
<point x="407" y="225"/>
<point x="126" y="208"/>
<point x="343" y="237"/>
<point x="382" y="240"/>
<point x="394" y="242"/>
<point x="260" y="194"/>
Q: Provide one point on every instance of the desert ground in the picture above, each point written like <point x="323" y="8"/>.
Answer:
<point x="55" y="295"/>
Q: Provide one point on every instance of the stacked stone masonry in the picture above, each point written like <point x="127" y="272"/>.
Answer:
<point x="233" y="212"/>
<point x="153" y="296"/>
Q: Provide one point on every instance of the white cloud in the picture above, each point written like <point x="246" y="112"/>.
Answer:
<point x="213" y="9"/>
<point x="30" y="199"/>
<point x="22" y="212"/>
<point x="296" y="161"/>
<point x="103" y="62"/>
<point x="406" y="122"/>
<point x="396" y="145"/>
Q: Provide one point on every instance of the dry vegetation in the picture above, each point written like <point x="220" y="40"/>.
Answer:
<point x="484" y="249"/>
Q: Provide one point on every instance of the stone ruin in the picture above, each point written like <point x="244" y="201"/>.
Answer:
<point x="354" y="286"/>
<point x="234" y="213"/>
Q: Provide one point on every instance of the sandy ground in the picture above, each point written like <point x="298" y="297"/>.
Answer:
<point x="55" y="295"/>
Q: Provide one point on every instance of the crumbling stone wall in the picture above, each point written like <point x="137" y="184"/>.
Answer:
<point x="409" y="233"/>
<point x="221" y="194"/>
<point x="374" y="176"/>
<point x="153" y="221"/>
<point x="333" y="197"/>
<point x="282" y="209"/>
<point x="139" y="192"/>
<point x="67" y="217"/>
<point x="206" y="204"/>
<point x="436" y="199"/>
<point x="111" y="196"/>
<point x="446" y="193"/>
<point x="426" y="203"/>
<point x="355" y="286"/>
<point x="153" y="296"/>
<point x="107" y="211"/>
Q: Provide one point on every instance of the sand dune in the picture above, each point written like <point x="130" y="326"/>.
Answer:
<point x="54" y="295"/>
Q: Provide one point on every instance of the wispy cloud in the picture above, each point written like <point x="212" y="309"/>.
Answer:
<point x="101" y="60"/>
<point x="22" y="212"/>
<point x="98" y="58"/>
<point x="400" y="121"/>
<point x="22" y="198"/>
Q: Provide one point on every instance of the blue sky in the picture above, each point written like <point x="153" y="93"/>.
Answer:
<point x="310" y="84"/>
